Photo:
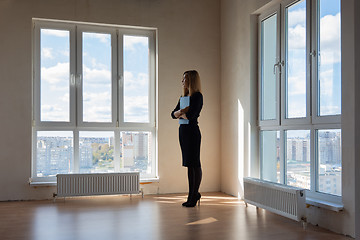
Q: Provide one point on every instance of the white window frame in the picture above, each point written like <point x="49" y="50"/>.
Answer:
<point x="79" y="76"/>
<point x="307" y="118"/>
<point x="267" y="14"/>
<point x="312" y="121"/>
<point x="76" y="125"/>
<point x="36" y="73"/>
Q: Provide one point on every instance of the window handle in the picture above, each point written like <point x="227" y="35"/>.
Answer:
<point x="313" y="53"/>
<point x="72" y="79"/>
<point x="278" y="64"/>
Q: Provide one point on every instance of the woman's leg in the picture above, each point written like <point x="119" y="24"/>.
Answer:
<point x="197" y="180"/>
<point x="191" y="181"/>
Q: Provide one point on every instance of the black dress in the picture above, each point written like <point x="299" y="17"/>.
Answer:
<point x="189" y="134"/>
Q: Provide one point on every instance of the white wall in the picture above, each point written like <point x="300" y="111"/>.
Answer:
<point x="239" y="109"/>
<point x="189" y="38"/>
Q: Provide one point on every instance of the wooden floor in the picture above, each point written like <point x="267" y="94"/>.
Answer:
<point x="155" y="217"/>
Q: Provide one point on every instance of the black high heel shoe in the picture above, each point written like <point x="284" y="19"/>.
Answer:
<point x="193" y="203"/>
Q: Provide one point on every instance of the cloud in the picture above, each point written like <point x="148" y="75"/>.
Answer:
<point x="136" y="84"/>
<point x="55" y="74"/>
<point x="131" y="41"/>
<point x="297" y="37"/>
<point x="330" y="29"/>
<point x="103" y="37"/>
<point x="297" y="17"/>
<point x="330" y="102"/>
<point x="297" y="84"/>
<point x="65" y="98"/>
<point x="65" y="53"/>
<point x="56" y="33"/>
<point x="297" y="96"/>
<point x="54" y="112"/>
<point x="97" y="107"/>
<point x="330" y="39"/>
<point x="326" y="82"/>
<point x="46" y="53"/>
<point x="136" y="109"/>
<point x="330" y="110"/>
<point x="97" y="75"/>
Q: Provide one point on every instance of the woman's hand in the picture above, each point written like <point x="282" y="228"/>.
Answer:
<point x="183" y="116"/>
<point x="178" y="113"/>
<point x="181" y="113"/>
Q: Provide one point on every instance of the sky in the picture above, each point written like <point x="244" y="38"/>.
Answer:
<point x="329" y="64"/>
<point x="96" y="72"/>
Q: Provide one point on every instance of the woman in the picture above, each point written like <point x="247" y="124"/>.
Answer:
<point x="189" y="133"/>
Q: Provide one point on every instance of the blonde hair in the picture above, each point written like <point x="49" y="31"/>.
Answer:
<point x="194" y="82"/>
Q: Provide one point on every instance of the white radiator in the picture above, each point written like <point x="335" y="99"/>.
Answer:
<point x="97" y="184"/>
<point x="281" y="199"/>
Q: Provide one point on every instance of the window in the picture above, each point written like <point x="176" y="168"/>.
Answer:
<point x="300" y="96"/>
<point x="94" y="100"/>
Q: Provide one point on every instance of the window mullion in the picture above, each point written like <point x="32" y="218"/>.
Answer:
<point x="73" y="105"/>
<point x="117" y="143"/>
<point x="120" y="65"/>
<point x="313" y="56"/>
<point x="314" y="160"/>
<point x="78" y="82"/>
<point x="282" y="146"/>
<point x="114" y="77"/>
<point x="309" y="44"/>
<point x="76" y="151"/>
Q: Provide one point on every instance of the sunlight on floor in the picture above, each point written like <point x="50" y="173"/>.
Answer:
<point x="203" y="221"/>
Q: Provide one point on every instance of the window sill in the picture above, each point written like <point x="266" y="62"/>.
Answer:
<point x="149" y="180"/>
<point x="42" y="184"/>
<point x="336" y="207"/>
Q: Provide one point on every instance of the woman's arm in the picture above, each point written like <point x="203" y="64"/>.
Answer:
<point x="196" y="103"/>
<point x="176" y="112"/>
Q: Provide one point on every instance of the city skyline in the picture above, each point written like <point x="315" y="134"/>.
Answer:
<point x="55" y="154"/>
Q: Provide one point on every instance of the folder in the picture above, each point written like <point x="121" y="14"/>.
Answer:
<point x="184" y="102"/>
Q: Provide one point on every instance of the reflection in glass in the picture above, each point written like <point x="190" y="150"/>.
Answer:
<point x="329" y="61"/>
<point x="329" y="159"/>
<point x="54" y="75"/>
<point x="295" y="31"/>
<point x="96" y="77"/>
<point x="270" y="158"/>
<point x="268" y="60"/>
<point x="136" y="79"/>
<point x="135" y="151"/>
<point x="298" y="158"/>
<point x="54" y="153"/>
<point x="96" y="151"/>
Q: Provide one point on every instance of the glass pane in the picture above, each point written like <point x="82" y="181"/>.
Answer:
<point x="54" y="152"/>
<point x="135" y="151"/>
<point x="329" y="63"/>
<point x="96" y="152"/>
<point x="96" y="77"/>
<point x="268" y="59"/>
<point x="270" y="158"/>
<point x="329" y="167"/>
<point x="298" y="158"/>
<point x="295" y="77"/>
<point x="54" y="75"/>
<point x="136" y="79"/>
